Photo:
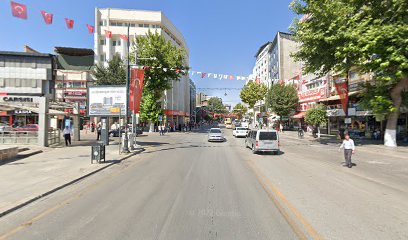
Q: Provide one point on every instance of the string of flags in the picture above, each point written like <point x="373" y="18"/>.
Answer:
<point x="19" y="10"/>
<point x="199" y="74"/>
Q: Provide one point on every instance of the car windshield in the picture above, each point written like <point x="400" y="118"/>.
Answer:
<point x="267" y="136"/>
<point x="215" y="131"/>
<point x="241" y="128"/>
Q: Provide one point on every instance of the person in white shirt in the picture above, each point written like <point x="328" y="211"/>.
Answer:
<point x="67" y="135"/>
<point x="349" y="149"/>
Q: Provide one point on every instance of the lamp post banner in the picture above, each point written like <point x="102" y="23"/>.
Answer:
<point x="136" y="89"/>
<point x="341" y="87"/>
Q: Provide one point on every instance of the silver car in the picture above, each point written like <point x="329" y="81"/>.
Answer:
<point x="263" y="141"/>
<point x="215" y="135"/>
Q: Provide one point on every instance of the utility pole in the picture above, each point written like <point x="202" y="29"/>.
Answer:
<point x="125" y="148"/>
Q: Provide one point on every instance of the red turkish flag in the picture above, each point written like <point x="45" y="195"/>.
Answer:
<point x="136" y="89"/>
<point x="258" y="81"/>
<point x="231" y="77"/>
<point x="124" y="37"/>
<point x="91" y="29"/>
<point x="18" y="10"/>
<point x="108" y="34"/>
<point x="342" y="90"/>
<point x="70" y="23"/>
<point x="47" y="17"/>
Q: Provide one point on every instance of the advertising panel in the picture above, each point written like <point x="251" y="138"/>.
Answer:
<point x="107" y="100"/>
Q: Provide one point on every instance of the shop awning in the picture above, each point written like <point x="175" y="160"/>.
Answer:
<point x="337" y="97"/>
<point x="12" y="107"/>
<point x="299" y="115"/>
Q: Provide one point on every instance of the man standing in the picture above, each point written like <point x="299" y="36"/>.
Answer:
<point x="98" y="132"/>
<point x="349" y="149"/>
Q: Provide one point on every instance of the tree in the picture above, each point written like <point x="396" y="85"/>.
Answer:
<point x="149" y="109"/>
<point x="113" y="74"/>
<point x="215" y="105"/>
<point x="252" y="93"/>
<point x="370" y="35"/>
<point x="316" y="117"/>
<point x="240" y="110"/>
<point x="164" y="63"/>
<point x="282" y="99"/>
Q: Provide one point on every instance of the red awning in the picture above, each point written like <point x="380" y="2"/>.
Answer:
<point x="299" y="115"/>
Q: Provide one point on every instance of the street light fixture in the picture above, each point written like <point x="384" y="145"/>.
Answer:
<point x="126" y="137"/>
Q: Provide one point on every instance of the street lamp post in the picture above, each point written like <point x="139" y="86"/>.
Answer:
<point x="125" y="148"/>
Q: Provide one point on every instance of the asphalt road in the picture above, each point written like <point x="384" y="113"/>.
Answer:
<point x="183" y="187"/>
<point x="186" y="188"/>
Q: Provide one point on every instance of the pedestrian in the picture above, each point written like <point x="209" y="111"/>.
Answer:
<point x="281" y="127"/>
<point x="160" y="130"/>
<point x="67" y="135"/>
<point x="92" y="127"/>
<point x="349" y="149"/>
<point x="98" y="132"/>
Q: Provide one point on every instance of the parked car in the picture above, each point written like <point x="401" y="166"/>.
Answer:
<point x="240" y="132"/>
<point x="215" y="134"/>
<point x="245" y="124"/>
<point x="4" y="128"/>
<point x="263" y="141"/>
<point x="115" y="132"/>
<point x="27" y="128"/>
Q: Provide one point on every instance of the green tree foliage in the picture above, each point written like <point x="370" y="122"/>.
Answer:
<point x="113" y="74"/>
<point x="370" y="35"/>
<point x="316" y="116"/>
<point x="150" y="109"/>
<point x="282" y="99"/>
<point x="240" y="110"/>
<point x="167" y="63"/>
<point x="215" y="105"/>
<point x="252" y="93"/>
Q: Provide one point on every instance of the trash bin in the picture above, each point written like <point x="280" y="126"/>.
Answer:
<point x="98" y="152"/>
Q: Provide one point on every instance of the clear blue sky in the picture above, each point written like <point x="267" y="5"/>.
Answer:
<point x="223" y="35"/>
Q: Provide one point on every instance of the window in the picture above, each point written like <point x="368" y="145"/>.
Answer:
<point x="132" y="25"/>
<point x="102" y="42"/>
<point x="102" y="58"/>
<point x="18" y="82"/>
<point x="116" y="43"/>
<point x="2" y="82"/>
<point x="102" y="23"/>
<point x="140" y="25"/>
<point x="146" y="25"/>
<point x="267" y="136"/>
<point x="34" y="83"/>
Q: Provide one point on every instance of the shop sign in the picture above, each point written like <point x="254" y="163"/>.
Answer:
<point x="311" y="95"/>
<point x="105" y="100"/>
<point x="17" y="99"/>
<point x="22" y="112"/>
<point x="347" y="120"/>
<point x="75" y="94"/>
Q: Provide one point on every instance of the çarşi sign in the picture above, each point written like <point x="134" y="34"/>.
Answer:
<point x="18" y="99"/>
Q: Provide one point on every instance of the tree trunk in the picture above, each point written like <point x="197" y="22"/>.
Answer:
<point x="318" y="132"/>
<point x="390" y="136"/>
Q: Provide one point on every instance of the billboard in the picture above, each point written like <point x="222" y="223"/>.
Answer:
<point x="106" y="100"/>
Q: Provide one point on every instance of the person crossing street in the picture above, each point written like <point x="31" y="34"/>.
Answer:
<point x="349" y="150"/>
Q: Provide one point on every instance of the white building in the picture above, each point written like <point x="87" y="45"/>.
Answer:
<point x="176" y="101"/>
<point x="262" y="69"/>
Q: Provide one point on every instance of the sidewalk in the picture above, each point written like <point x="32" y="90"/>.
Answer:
<point x="365" y="145"/>
<point x="31" y="177"/>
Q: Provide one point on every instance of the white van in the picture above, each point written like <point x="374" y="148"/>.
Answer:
<point x="263" y="141"/>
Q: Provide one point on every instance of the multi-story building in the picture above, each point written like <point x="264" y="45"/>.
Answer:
<point x="262" y="69"/>
<point x="176" y="101"/>
<point x="24" y="77"/>
<point x="282" y="66"/>
<point x="73" y="76"/>
<point x="193" y="94"/>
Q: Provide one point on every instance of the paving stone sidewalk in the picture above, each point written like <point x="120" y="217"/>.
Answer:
<point x="33" y="176"/>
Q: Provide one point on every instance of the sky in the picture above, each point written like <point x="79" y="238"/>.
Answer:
<point x="223" y="35"/>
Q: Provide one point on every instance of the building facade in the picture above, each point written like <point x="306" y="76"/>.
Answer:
<point x="176" y="101"/>
<point x="24" y="77"/>
<point x="282" y="66"/>
<point x="262" y="69"/>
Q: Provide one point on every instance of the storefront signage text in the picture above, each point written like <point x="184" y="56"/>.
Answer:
<point x="18" y="99"/>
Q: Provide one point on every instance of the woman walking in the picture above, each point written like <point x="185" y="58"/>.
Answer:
<point x="67" y="135"/>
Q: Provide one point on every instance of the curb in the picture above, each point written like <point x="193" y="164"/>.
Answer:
<point x="21" y="205"/>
